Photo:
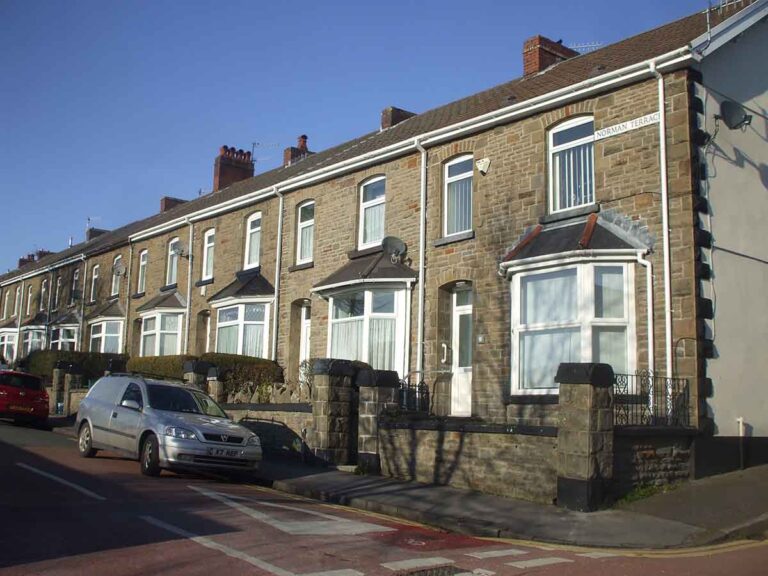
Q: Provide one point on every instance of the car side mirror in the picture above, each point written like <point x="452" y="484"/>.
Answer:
<point x="131" y="404"/>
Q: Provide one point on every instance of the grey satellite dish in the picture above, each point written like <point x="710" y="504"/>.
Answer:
<point x="733" y="114"/>
<point x="118" y="269"/>
<point x="393" y="246"/>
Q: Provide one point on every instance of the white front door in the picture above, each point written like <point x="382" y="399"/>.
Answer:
<point x="306" y="327"/>
<point x="461" y="359"/>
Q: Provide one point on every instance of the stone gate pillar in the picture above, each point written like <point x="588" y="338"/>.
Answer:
<point x="378" y="392"/>
<point x="585" y="435"/>
<point x="333" y="437"/>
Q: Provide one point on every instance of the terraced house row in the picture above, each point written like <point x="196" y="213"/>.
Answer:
<point x="604" y="207"/>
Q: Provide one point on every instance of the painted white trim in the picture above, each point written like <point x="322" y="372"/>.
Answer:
<point x="43" y="290"/>
<point x="157" y="314"/>
<point x="38" y="272"/>
<point x="232" y="300"/>
<point x="115" y="287"/>
<point x="171" y="255"/>
<point x="362" y="206"/>
<point x="300" y="226"/>
<point x="141" y="277"/>
<point x="729" y="29"/>
<point x="319" y="289"/>
<point x="103" y="321"/>
<point x="447" y="180"/>
<point x="567" y="258"/>
<point x="208" y="244"/>
<point x="240" y="323"/>
<point x="552" y="150"/>
<point x="422" y="255"/>
<point x="247" y="264"/>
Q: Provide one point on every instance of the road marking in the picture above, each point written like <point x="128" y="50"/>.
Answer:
<point x="61" y="481"/>
<point x="477" y="572"/>
<point x="536" y="562"/>
<point x="597" y="555"/>
<point x="417" y="563"/>
<point x="497" y="553"/>
<point x="344" y="572"/>
<point x="330" y="526"/>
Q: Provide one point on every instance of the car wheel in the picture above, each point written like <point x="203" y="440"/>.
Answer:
<point x="85" y="442"/>
<point x="150" y="457"/>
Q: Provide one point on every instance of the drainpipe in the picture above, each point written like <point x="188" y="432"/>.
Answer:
<point x="190" y="254"/>
<point x="128" y="298"/>
<point x="48" y="311"/>
<point x="649" y="307"/>
<point x="19" y="316"/>
<point x="422" y="253"/>
<point x="278" y="261"/>
<point x="82" y="301"/>
<point x="665" y="220"/>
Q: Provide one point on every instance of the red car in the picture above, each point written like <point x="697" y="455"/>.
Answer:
<point x="23" y="397"/>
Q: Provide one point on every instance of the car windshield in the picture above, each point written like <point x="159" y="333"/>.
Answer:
<point x="176" y="399"/>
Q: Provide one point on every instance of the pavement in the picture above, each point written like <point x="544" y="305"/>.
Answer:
<point x="697" y="513"/>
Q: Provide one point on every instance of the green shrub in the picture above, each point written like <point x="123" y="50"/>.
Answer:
<point x="245" y="375"/>
<point x="91" y="365"/>
<point x="161" y="366"/>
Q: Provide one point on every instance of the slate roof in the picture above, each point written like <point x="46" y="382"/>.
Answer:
<point x="635" y="49"/>
<point x="109" y="309"/>
<point x="246" y="283"/>
<point x="39" y="319"/>
<point x="66" y="317"/>
<point x="163" y="300"/>
<point x="373" y="267"/>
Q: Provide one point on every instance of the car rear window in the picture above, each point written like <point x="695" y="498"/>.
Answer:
<point x="25" y="381"/>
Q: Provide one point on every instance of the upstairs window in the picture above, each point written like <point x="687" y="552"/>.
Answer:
<point x="43" y="294"/>
<point x="572" y="164"/>
<point x="172" y="270"/>
<point x="75" y="286"/>
<point x="5" y="304"/>
<point x="305" y="231"/>
<point x="372" y="202"/>
<point x="253" y="240"/>
<point x="17" y="302"/>
<point x="29" y="301"/>
<point x="94" y="282"/>
<point x="457" y="208"/>
<point x="141" y="281"/>
<point x="57" y="293"/>
<point x="117" y="271"/>
<point x="209" y="240"/>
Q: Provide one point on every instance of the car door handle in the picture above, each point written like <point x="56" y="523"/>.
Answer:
<point x="114" y="414"/>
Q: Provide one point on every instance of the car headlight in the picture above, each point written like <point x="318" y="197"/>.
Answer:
<point x="182" y="433"/>
<point x="254" y="441"/>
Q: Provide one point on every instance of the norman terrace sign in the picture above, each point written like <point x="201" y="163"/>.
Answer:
<point x="627" y="126"/>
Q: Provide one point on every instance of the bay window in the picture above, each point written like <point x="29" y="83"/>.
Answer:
<point x="242" y="329"/>
<point x="32" y="340"/>
<point x="209" y="240"/>
<point x="8" y="346"/>
<point x="572" y="164"/>
<point x="253" y="240"/>
<point x="161" y="334"/>
<point x="63" y="338"/>
<point x="368" y="325"/>
<point x="372" y="203"/>
<point x="457" y="203"/>
<point x="305" y="230"/>
<point x="579" y="313"/>
<point x="106" y="336"/>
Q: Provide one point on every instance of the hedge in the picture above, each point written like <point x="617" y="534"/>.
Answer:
<point x="91" y="365"/>
<point x="245" y="375"/>
<point x="161" y="366"/>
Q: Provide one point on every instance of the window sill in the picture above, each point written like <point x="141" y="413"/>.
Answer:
<point x="204" y="282"/>
<point x="353" y="254"/>
<point x="113" y="297"/>
<point x="168" y="287"/>
<point x="528" y="399"/>
<point x="304" y="266"/>
<point x="568" y="214"/>
<point x="445" y="240"/>
<point x="138" y="295"/>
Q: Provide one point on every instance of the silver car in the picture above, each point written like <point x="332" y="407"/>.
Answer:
<point x="163" y="424"/>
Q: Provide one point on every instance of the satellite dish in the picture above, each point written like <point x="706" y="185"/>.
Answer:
<point x="118" y="269"/>
<point x="393" y="246"/>
<point x="733" y="114"/>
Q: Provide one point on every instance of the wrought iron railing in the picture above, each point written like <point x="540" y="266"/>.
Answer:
<point x="644" y="399"/>
<point x="413" y="396"/>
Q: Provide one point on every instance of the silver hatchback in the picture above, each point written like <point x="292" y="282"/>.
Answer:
<point x="163" y="424"/>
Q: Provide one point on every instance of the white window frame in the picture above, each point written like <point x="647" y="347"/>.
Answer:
<point x="75" y="284"/>
<point x="17" y="302"/>
<point x="102" y="323"/>
<point x="158" y="332"/>
<point x="249" y="261"/>
<point x="300" y="227"/>
<point x="29" y="301"/>
<point x="447" y="180"/>
<point x="57" y="294"/>
<point x="402" y="305"/>
<point x="172" y="264"/>
<point x="94" y="280"/>
<point x="370" y="204"/>
<point x="32" y="339"/>
<point x="585" y="319"/>
<point x="240" y="322"/>
<point x="209" y="245"/>
<point x="552" y="150"/>
<point x="8" y="342"/>
<point x="115" y="291"/>
<point x="5" y="304"/>
<point x="43" y="293"/>
<point x="57" y="337"/>
<point x="141" y="280"/>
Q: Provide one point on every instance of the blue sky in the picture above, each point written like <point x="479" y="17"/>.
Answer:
<point x="107" y="106"/>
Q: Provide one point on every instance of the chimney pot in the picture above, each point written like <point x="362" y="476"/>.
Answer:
<point x="231" y="165"/>
<point x="293" y="154"/>
<point x="539" y="53"/>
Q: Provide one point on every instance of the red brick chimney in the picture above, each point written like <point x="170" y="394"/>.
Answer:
<point x="231" y="166"/>
<point x="28" y="259"/>
<point x="168" y="202"/>
<point x="392" y="115"/>
<point x="40" y="253"/>
<point x="539" y="53"/>
<point x="293" y="154"/>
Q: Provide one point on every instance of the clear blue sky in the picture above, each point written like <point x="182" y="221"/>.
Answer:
<point x="106" y="106"/>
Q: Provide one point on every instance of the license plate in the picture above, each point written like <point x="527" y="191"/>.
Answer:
<point x="20" y="408"/>
<point x="223" y="452"/>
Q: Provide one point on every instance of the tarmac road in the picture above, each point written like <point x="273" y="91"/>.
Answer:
<point x="62" y="514"/>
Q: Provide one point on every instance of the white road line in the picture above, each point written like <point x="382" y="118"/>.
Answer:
<point x="536" y="562"/>
<point x="417" y="563"/>
<point x="597" y="555"/>
<point x="497" y="553"/>
<point x="344" y="572"/>
<point x="208" y="543"/>
<point x="61" y="481"/>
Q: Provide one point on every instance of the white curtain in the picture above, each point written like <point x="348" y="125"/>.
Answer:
<point x="347" y="340"/>
<point x="253" y="340"/>
<point x="111" y="344"/>
<point x="208" y="272"/>
<point x="226" y="340"/>
<point x="459" y="208"/>
<point x="542" y="351"/>
<point x="169" y="344"/>
<point x="609" y="292"/>
<point x="574" y="172"/>
<point x="381" y="343"/>
<point x="305" y="250"/>
<point x="609" y="346"/>
<point x="373" y="227"/>
<point x="550" y="297"/>
<point x="148" y="344"/>
<point x="254" y="245"/>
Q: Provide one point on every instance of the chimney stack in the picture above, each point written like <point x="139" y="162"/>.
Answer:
<point x="231" y="166"/>
<point x="168" y="202"/>
<point x="539" y="53"/>
<point x="392" y="115"/>
<point x="92" y="233"/>
<point x="28" y="259"/>
<point x="293" y="154"/>
<point x="42" y="253"/>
